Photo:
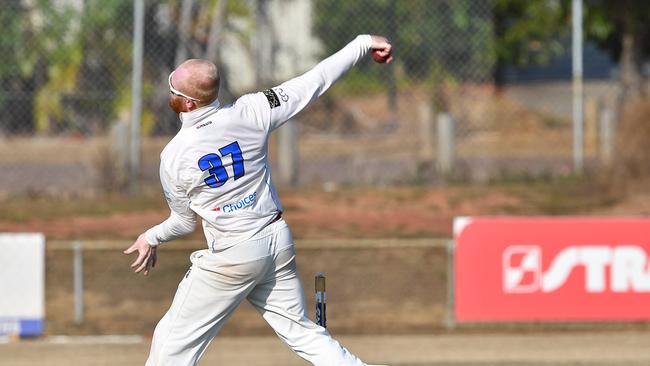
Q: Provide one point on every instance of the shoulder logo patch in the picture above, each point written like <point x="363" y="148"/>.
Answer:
<point x="273" y="99"/>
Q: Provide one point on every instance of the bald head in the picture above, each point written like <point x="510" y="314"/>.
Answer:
<point x="198" y="79"/>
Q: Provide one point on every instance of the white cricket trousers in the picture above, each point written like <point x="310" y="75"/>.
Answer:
<point x="262" y="270"/>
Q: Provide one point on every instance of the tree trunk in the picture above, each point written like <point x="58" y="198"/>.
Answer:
<point x="498" y="73"/>
<point x="217" y="26"/>
<point x="264" y="44"/>
<point x="631" y="63"/>
<point x="184" y="32"/>
<point x="215" y="37"/>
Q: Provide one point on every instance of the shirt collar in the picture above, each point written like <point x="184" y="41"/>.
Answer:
<point x="190" y="118"/>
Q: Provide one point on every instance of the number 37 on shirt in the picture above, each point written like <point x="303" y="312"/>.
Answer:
<point x="213" y="164"/>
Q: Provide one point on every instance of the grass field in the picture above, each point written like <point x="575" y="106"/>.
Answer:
<point x="388" y="304"/>
<point x="623" y="348"/>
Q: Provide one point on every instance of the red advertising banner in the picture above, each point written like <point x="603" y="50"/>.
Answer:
<point x="555" y="269"/>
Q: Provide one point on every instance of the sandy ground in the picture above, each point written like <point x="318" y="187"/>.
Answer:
<point x="628" y="348"/>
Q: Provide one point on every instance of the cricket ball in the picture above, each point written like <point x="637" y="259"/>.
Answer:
<point x="379" y="58"/>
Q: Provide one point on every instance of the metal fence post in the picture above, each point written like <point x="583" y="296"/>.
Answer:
<point x="578" y="112"/>
<point x="118" y="145"/>
<point x="288" y="153"/>
<point x="136" y="87"/>
<point x="446" y="144"/>
<point x="591" y="125"/>
<point x="78" y="274"/>
<point x="450" y="320"/>
<point x="606" y="120"/>
<point x="427" y="132"/>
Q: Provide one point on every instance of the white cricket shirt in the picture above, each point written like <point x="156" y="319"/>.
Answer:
<point x="217" y="167"/>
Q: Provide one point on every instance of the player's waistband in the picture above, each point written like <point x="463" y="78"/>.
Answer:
<point x="267" y="229"/>
<point x="276" y="218"/>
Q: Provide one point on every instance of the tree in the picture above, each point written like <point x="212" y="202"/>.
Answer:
<point x="528" y="32"/>
<point x="67" y="64"/>
<point x="22" y="43"/>
<point x="622" y="28"/>
<point x="531" y="31"/>
<point x="50" y="51"/>
<point x="452" y="33"/>
<point x="438" y="42"/>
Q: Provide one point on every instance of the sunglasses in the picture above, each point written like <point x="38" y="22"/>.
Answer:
<point x="178" y="92"/>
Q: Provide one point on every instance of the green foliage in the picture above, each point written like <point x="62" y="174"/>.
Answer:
<point x="73" y="59"/>
<point x="12" y="31"/>
<point x="530" y="31"/>
<point x="450" y="37"/>
<point x="57" y="46"/>
<point x="30" y="32"/>
<point x="607" y="21"/>
<point x="70" y="61"/>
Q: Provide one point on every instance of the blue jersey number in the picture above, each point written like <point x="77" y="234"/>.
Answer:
<point x="213" y="164"/>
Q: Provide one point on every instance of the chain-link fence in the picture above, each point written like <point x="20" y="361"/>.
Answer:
<point x="361" y="298"/>
<point x="435" y="112"/>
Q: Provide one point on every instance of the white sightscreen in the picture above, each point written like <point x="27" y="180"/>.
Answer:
<point x="22" y="283"/>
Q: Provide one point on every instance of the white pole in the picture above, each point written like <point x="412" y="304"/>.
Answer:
<point x="427" y="132"/>
<point x="78" y="274"/>
<point x="136" y="97"/>
<point x="450" y="321"/>
<point x="446" y="144"/>
<point x="606" y="118"/>
<point x="578" y="107"/>
<point x="288" y="153"/>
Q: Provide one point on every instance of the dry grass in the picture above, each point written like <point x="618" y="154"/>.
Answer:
<point x="633" y="143"/>
<point x="381" y="295"/>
